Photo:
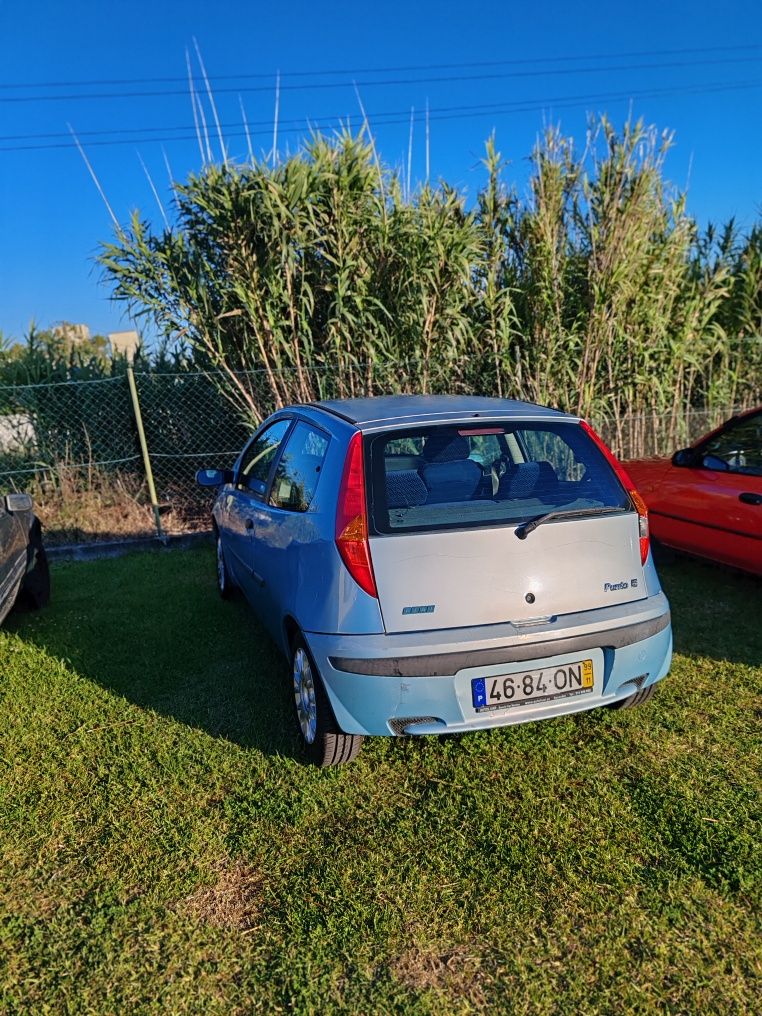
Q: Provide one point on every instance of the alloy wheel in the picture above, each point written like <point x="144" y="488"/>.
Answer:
<point x="304" y="696"/>
<point x="221" y="579"/>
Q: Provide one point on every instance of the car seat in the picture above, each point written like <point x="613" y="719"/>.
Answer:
<point x="405" y="489"/>
<point x="529" y="479"/>
<point x="449" y="474"/>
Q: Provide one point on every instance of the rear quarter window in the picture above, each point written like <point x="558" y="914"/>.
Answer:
<point x="503" y="474"/>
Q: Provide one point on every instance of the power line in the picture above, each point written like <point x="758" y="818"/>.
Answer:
<point x="618" y="68"/>
<point x="388" y="69"/>
<point x="268" y="123"/>
<point x="392" y="118"/>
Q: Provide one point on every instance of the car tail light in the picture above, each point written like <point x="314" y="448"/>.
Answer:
<point x="637" y="501"/>
<point x="352" y="519"/>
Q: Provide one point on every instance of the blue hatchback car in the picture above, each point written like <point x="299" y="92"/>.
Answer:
<point x="437" y="564"/>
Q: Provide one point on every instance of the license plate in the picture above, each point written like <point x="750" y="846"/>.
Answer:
<point x="532" y="686"/>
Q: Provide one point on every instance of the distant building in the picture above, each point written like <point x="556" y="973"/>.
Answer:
<point x="124" y="343"/>
<point x="73" y="334"/>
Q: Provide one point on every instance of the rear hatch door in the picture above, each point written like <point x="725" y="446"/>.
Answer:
<point x="446" y="503"/>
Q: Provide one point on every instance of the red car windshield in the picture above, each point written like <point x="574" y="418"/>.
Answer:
<point x="737" y="448"/>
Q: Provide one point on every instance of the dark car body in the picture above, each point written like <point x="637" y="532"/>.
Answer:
<point x="707" y="499"/>
<point x="23" y="563"/>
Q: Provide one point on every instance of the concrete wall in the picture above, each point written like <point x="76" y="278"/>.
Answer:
<point x="16" y="433"/>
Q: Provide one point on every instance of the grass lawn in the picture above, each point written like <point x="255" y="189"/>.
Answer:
<point x="163" y="850"/>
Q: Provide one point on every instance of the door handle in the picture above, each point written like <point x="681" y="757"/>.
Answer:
<point x="749" y="498"/>
<point x="249" y="524"/>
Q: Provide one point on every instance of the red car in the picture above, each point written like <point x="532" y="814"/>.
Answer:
<point x="707" y="499"/>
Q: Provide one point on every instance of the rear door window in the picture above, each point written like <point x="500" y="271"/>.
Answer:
<point x="503" y="474"/>
<point x="298" y="469"/>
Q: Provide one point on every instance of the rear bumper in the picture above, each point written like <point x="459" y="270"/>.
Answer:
<point x="420" y="683"/>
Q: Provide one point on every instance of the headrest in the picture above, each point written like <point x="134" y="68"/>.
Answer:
<point x="405" y="489"/>
<point x="445" y="448"/>
<point x="523" y="479"/>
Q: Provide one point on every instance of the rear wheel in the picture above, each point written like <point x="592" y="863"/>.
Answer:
<point x="324" y="743"/>
<point x="639" y="698"/>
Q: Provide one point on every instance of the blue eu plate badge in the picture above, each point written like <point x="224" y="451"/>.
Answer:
<point x="479" y="692"/>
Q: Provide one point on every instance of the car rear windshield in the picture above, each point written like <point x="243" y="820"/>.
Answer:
<point x="466" y="476"/>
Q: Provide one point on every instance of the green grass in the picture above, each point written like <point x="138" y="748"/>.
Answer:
<point x="163" y="850"/>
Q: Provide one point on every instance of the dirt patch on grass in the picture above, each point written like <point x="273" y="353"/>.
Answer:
<point x="455" y="972"/>
<point x="234" y="901"/>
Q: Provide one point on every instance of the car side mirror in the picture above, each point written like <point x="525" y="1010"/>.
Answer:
<point x="214" y="477"/>
<point x="684" y="457"/>
<point x="18" y="502"/>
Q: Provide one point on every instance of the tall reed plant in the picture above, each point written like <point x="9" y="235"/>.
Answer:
<point x="595" y="293"/>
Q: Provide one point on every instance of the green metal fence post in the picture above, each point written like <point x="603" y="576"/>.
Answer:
<point x="144" y="450"/>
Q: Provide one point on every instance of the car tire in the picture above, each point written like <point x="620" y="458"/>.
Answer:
<point x="323" y="742"/>
<point x="663" y="555"/>
<point x="35" y="586"/>
<point x="225" y="585"/>
<point x="639" y="698"/>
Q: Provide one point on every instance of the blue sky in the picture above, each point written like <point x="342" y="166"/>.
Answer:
<point x="52" y="217"/>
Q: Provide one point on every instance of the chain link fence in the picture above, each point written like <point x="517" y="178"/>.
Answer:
<point x="76" y="445"/>
<point x="644" y="435"/>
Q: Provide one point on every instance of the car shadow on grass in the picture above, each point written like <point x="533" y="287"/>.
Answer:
<point x="151" y="628"/>
<point x="716" y="611"/>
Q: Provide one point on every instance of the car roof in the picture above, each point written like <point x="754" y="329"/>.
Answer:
<point x="407" y="409"/>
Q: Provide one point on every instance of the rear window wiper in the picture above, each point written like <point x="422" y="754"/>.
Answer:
<point x="526" y="528"/>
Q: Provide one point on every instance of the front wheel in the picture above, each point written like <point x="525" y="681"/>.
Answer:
<point x="225" y="585"/>
<point x="323" y="742"/>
